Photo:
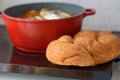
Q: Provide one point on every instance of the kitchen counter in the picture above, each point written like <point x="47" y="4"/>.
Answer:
<point x="18" y="65"/>
<point x="16" y="76"/>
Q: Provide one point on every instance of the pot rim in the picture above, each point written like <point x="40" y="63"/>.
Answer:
<point x="27" y="20"/>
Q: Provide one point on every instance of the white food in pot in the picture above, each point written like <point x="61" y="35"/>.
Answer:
<point x="50" y="16"/>
<point x="54" y="14"/>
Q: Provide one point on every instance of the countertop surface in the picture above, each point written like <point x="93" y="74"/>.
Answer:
<point x="16" y="76"/>
<point x="18" y="65"/>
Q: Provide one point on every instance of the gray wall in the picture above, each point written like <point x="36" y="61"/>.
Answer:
<point x="107" y="15"/>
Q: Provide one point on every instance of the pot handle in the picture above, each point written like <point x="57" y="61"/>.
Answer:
<point x="1" y="16"/>
<point x="89" y="12"/>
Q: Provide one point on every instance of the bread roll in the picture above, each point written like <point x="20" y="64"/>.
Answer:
<point x="86" y="48"/>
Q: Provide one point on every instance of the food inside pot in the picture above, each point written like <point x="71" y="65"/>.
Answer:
<point x="44" y="14"/>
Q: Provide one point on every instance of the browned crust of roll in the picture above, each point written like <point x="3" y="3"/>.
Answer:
<point x="86" y="48"/>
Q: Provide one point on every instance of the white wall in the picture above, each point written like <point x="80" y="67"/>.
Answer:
<point x="107" y="12"/>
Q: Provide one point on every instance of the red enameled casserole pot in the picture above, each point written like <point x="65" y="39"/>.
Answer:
<point x="35" y="35"/>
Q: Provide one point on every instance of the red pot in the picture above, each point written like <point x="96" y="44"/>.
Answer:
<point x="35" y="35"/>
